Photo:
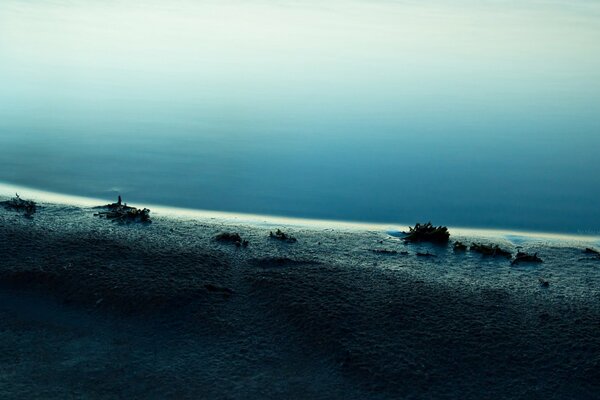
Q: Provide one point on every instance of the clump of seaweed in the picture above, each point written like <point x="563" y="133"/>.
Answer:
<point x="427" y="233"/>
<point x="527" y="258"/>
<point x="28" y="207"/>
<point x="490" y="251"/>
<point x="232" y="238"/>
<point x="459" y="246"/>
<point x="121" y="212"/>
<point x="282" y="236"/>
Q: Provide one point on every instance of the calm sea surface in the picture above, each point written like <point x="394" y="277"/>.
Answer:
<point x="466" y="113"/>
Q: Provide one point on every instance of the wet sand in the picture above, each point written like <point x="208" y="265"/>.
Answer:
<point x="95" y="309"/>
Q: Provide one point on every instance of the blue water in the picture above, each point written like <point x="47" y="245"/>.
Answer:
<point x="482" y="114"/>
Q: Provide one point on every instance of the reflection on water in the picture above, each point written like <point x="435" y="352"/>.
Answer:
<point x="470" y="114"/>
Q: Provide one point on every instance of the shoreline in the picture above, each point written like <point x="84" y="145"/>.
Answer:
<point x="7" y="190"/>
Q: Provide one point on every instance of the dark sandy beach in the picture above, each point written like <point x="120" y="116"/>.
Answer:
<point x="95" y="309"/>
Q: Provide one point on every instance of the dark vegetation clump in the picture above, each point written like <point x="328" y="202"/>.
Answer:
<point x="232" y="238"/>
<point x="121" y="212"/>
<point x="284" y="237"/>
<point x="459" y="246"/>
<point x="527" y="258"/>
<point x="427" y="233"/>
<point x="490" y="251"/>
<point x="28" y="207"/>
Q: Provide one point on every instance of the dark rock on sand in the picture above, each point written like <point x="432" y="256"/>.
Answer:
<point x="28" y="207"/>
<point x="427" y="233"/>
<point x="232" y="238"/>
<point x="526" y="258"/>
<point x="282" y="236"/>
<point x="123" y="213"/>
<point x="490" y="250"/>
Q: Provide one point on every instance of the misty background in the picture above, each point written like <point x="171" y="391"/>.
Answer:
<point x="479" y="114"/>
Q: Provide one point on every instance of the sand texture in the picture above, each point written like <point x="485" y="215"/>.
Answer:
<point x="95" y="309"/>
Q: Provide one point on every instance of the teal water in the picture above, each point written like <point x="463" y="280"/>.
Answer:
<point x="482" y="114"/>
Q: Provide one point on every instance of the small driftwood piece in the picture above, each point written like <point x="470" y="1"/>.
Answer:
<point x="490" y="251"/>
<point x="121" y="212"/>
<point x="28" y="207"/>
<point x="231" y="238"/>
<point x="526" y="258"/>
<point x="282" y="236"/>
<point x="427" y="233"/>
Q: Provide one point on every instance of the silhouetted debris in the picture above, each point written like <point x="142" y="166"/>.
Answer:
<point x="120" y="212"/>
<point x="233" y="238"/>
<point x="118" y="205"/>
<point x="459" y="246"/>
<point x="589" y="250"/>
<point x="428" y="254"/>
<point x="544" y="283"/>
<point x="490" y="251"/>
<point x="427" y="233"/>
<point x="280" y="235"/>
<point x="218" y="289"/>
<point x="384" y="251"/>
<point x="28" y="207"/>
<point x="527" y="258"/>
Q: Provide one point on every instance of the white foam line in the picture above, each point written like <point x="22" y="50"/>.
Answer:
<point x="42" y="196"/>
